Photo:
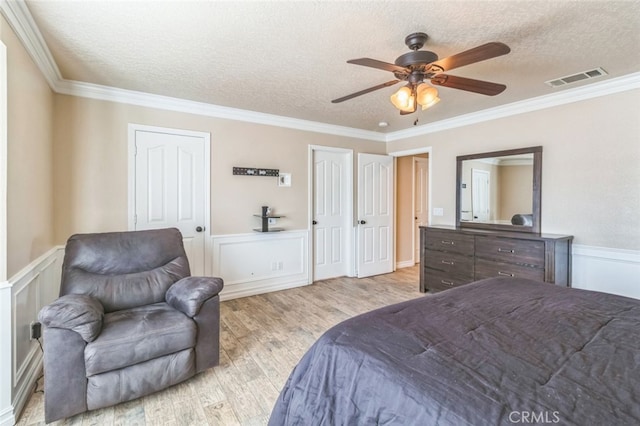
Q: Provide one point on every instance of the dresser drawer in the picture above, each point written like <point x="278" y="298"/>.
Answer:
<point x="509" y="250"/>
<point x="449" y="241"/>
<point x="489" y="269"/>
<point x="452" y="263"/>
<point x="438" y="280"/>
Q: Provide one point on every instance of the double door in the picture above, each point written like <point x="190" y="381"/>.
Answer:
<point x="333" y="222"/>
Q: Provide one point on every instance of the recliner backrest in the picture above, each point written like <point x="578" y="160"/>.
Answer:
<point x="124" y="269"/>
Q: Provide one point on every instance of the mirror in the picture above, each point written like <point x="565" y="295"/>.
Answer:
<point x="499" y="190"/>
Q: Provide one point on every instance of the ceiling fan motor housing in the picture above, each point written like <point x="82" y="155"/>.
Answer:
<point x="417" y="57"/>
<point x="418" y="62"/>
<point x="415" y="41"/>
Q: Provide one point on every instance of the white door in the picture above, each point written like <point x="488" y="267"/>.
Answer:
<point x="170" y="187"/>
<point x="480" y="195"/>
<point x="375" y="214"/>
<point x="331" y="219"/>
<point x="421" y="204"/>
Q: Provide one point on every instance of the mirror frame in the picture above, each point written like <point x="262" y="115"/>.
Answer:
<point x="537" y="194"/>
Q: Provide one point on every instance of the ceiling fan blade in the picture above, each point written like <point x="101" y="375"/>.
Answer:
<point x="471" y="56"/>
<point x="362" y="92"/>
<point x="468" y="84"/>
<point x="374" y="63"/>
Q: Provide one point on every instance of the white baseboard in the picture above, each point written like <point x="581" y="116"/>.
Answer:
<point x="7" y="417"/>
<point x="404" y="264"/>
<point x="258" y="263"/>
<point x="608" y="270"/>
<point x="26" y="293"/>
<point x="252" y="289"/>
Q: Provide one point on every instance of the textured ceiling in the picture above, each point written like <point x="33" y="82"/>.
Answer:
<point x="289" y="57"/>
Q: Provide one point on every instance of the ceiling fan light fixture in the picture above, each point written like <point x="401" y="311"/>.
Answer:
<point x="419" y="65"/>
<point x="427" y="96"/>
<point x="430" y="104"/>
<point x="404" y="99"/>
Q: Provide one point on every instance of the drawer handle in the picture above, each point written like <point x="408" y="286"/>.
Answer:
<point x="505" y="274"/>
<point x="447" y="242"/>
<point x="447" y="262"/>
<point x="501" y="250"/>
<point x="446" y="282"/>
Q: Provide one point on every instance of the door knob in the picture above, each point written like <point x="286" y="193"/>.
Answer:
<point x="199" y="229"/>
<point x="362" y="222"/>
<point x="313" y="222"/>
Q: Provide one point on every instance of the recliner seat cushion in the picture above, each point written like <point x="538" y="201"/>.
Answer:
<point x="139" y="334"/>
<point x="114" y="387"/>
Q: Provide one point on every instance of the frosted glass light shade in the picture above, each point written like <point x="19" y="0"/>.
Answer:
<point x="430" y="104"/>
<point x="427" y="95"/>
<point x="403" y="99"/>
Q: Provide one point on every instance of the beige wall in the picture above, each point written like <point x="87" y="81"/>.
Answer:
<point x="466" y="201"/>
<point x="510" y="192"/>
<point x="29" y="153"/>
<point x="590" y="172"/>
<point x="91" y="166"/>
<point x="404" y="207"/>
<point x="405" y="214"/>
<point x="516" y="186"/>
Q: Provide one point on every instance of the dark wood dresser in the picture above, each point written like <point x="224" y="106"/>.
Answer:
<point x="451" y="257"/>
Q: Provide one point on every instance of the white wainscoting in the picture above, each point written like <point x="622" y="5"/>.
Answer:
<point x="258" y="263"/>
<point x="29" y="290"/>
<point x="607" y="270"/>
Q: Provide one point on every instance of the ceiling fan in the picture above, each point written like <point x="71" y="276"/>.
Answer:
<point x="419" y="65"/>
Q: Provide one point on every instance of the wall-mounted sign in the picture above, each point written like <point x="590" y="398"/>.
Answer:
<point x="254" y="171"/>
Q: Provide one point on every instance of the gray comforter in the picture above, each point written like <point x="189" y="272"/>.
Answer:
<point x="498" y="351"/>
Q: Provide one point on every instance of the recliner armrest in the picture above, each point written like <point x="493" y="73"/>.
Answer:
<point x="189" y="294"/>
<point x="77" y="312"/>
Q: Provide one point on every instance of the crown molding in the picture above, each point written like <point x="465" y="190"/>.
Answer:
<point x="593" y="90"/>
<point x="131" y="97"/>
<point x="20" y="19"/>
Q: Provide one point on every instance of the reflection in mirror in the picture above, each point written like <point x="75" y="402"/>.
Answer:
<point x="500" y="190"/>
<point x="497" y="190"/>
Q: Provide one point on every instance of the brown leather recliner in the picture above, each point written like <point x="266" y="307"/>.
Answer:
<point x="130" y="321"/>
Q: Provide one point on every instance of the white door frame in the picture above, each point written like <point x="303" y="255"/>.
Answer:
<point x="349" y="208"/>
<point x="406" y="153"/>
<point x="131" y="174"/>
<point x="415" y="235"/>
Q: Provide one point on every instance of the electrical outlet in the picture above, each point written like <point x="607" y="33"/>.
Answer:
<point x="272" y="221"/>
<point x="36" y="330"/>
<point x="438" y="211"/>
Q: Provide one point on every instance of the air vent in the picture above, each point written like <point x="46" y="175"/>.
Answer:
<point x="585" y="75"/>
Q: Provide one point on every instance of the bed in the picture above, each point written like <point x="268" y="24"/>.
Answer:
<point x="497" y="351"/>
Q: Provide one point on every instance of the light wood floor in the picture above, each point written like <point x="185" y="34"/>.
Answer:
<point x="262" y="338"/>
